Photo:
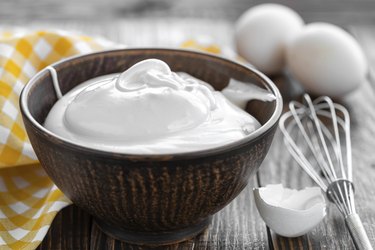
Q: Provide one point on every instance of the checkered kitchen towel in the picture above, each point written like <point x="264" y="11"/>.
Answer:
<point x="28" y="199"/>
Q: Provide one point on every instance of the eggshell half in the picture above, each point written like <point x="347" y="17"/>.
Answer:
<point x="289" y="212"/>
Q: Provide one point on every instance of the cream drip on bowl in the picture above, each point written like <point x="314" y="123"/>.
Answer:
<point x="148" y="109"/>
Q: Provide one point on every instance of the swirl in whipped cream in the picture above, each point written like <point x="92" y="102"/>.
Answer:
<point x="148" y="109"/>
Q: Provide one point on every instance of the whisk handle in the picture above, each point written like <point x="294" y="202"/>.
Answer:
<point x="358" y="233"/>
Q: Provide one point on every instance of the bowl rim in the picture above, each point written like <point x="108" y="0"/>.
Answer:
<point x="267" y="126"/>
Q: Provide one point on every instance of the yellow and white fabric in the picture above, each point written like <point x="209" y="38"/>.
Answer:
<point x="28" y="199"/>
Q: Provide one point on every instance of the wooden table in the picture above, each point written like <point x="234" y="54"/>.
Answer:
<point x="238" y="226"/>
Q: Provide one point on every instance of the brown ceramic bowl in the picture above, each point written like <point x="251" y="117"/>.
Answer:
<point x="158" y="199"/>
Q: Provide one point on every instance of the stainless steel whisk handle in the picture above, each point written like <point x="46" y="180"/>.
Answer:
<point x="357" y="231"/>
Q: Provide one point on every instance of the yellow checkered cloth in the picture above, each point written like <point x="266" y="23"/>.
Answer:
<point x="28" y="199"/>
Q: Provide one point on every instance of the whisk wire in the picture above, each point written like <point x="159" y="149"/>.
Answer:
<point x="322" y="158"/>
<point x="331" y="169"/>
<point x="335" y="123"/>
<point x="298" y="115"/>
<point x="296" y="152"/>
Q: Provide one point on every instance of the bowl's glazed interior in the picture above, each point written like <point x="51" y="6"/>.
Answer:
<point x="157" y="199"/>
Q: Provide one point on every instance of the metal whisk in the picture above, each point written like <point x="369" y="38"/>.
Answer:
<point x="317" y="134"/>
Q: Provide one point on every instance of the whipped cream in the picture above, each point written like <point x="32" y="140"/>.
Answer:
<point x="148" y="109"/>
<point x="239" y="93"/>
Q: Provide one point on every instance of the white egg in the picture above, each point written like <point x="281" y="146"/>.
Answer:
<point x="289" y="212"/>
<point x="262" y="33"/>
<point x="326" y="60"/>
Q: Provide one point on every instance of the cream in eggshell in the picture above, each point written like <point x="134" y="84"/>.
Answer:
<point x="290" y="212"/>
<point x="148" y="109"/>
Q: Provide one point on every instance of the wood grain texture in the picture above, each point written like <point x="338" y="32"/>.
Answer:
<point x="336" y="11"/>
<point x="239" y="226"/>
<point x="71" y="229"/>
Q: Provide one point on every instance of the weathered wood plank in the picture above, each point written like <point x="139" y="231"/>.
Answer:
<point x="336" y="11"/>
<point x="71" y="229"/>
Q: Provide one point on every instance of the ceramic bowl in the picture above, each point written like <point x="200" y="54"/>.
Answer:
<point x="153" y="199"/>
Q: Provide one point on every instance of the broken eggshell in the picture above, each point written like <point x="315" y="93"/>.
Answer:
<point x="290" y="212"/>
